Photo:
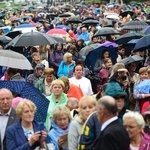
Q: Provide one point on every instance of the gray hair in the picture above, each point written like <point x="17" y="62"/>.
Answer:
<point x="137" y="116"/>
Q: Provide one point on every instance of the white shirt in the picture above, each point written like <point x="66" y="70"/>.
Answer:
<point x="84" y="83"/>
<point x="47" y="89"/>
<point x="134" y="148"/>
<point x="105" y="124"/>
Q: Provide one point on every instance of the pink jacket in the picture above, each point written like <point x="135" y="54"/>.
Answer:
<point x="145" y="144"/>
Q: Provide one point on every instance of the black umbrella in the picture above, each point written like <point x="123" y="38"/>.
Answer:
<point x="64" y="15"/>
<point x="142" y="43"/>
<point x="134" y="25"/>
<point x="32" y="39"/>
<point x="87" y="18"/>
<point x="106" y="31"/>
<point x="131" y="59"/>
<point x="5" y="39"/>
<point x="13" y="34"/>
<point x="126" y="13"/>
<point x="74" y="20"/>
<point x="125" y="38"/>
<point x="90" y="22"/>
<point x="57" y="38"/>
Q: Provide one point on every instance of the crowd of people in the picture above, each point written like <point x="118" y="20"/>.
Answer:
<point x="112" y="113"/>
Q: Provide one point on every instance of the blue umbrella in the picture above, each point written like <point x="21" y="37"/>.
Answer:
<point x="146" y="30"/>
<point x="63" y="26"/>
<point x="28" y="91"/>
<point x="143" y="86"/>
<point x="143" y="43"/>
<point x="94" y="55"/>
<point x="25" y="25"/>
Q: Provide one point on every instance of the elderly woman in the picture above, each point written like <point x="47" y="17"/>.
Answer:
<point x="57" y="98"/>
<point x="134" y="124"/>
<point x="60" y="125"/>
<point x="87" y="105"/>
<point x="26" y="134"/>
<point x="44" y="83"/>
<point x="66" y="65"/>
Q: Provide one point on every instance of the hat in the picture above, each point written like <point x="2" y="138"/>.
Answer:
<point x="15" y="101"/>
<point x="114" y="89"/>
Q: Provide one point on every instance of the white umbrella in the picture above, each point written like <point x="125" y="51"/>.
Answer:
<point x="13" y="59"/>
<point x="112" y="17"/>
<point x="25" y="30"/>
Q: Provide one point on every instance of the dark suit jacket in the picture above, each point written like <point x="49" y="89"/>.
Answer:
<point x="113" y="137"/>
<point x="16" y="139"/>
<point x="13" y="118"/>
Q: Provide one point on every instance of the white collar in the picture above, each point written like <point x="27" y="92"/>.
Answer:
<point x="105" y="124"/>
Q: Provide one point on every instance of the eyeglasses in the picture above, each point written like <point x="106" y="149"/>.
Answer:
<point x="130" y="127"/>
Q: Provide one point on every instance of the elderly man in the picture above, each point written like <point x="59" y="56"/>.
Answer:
<point x="113" y="135"/>
<point x="8" y="115"/>
<point x="85" y="35"/>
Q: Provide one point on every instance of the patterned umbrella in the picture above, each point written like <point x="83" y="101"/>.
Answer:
<point x="28" y="91"/>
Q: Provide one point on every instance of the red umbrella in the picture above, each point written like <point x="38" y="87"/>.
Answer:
<point x="57" y="31"/>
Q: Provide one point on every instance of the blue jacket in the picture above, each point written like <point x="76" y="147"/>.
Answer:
<point x="16" y="139"/>
<point x="54" y="133"/>
<point x="64" y="69"/>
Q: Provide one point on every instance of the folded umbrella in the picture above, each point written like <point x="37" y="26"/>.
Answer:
<point x="28" y="91"/>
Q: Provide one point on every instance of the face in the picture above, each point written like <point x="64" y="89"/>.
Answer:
<point x="69" y="59"/>
<point x="108" y="64"/>
<point x="95" y="39"/>
<point x="49" y="77"/>
<point x="40" y="71"/>
<point x="106" y="54"/>
<point x="132" y="67"/>
<point x="78" y="72"/>
<point x="62" y="121"/>
<point x="120" y="103"/>
<point x="132" y="127"/>
<point x="86" y="109"/>
<point x="36" y="58"/>
<point x="59" y="47"/>
<point x="5" y="101"/>
<point x="147" y="119"/>
<point x="57" y="89"/>
<point x="122" y="51"/>
<point x="27" y="114"/>
<point x="144" y="76"/>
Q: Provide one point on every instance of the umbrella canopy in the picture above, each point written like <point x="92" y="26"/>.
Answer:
<point x="85" y="50"/>
<point x="131" y="59"/>
<point x="143" y="43"/>
<point x="5" y="39"/>
<point x="125" y="38"/>
<point x="26" y="29"/>
<point x="90" y="21"/>
<point x="65" y="15"/>
<point x="74" y="20"/>
<point x="126" y="13"/>
<point x="58" y="39"/>
<point x="146" y="30"/>
<point x="143" y="86"/>
<point x="63" y="27"/>
<point x="28" y="91"/>
<point x="25" y="25"/>
<point x="32" y="39"/>
<point x="13" y="59"/>
<point x="135" y="25"/>
<point x="13" y="34"/>
<point x="112" y="17"/>
<point x="106" y="31"/>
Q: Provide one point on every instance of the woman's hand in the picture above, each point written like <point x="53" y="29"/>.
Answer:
<point x="60" y="141"/>
<point x="35" y="137"/>
<point x="43" y="136"/>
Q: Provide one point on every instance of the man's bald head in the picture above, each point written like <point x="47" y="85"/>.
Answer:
<point x="108" y="103"/>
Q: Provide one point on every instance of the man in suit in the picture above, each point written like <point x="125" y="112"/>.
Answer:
<point x="8" y="115"/>
<point x="113" y="135"/>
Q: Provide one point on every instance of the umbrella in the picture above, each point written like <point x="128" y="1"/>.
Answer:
<point x="13" y="59"/>
<point x="146" y="30"/>
<point x="112" y="17"/>
<point x="5" y="39"/>
<point x="125" y="38"/>
<point x="28" y="91"/>
<point x="95" y="54"/>
<point x="25" y="25"/>
<point x="131" y="59"/>
<point x="88" y="18"/>
<point x="32" y="39"/>
<point x="134" y="25"/>
<point x="62" y="26"/>
<point x="64" y="15"/>
<point x="106" y="31"/>
<point x="13" y="34"/>
<point x="85" y="50"/>
<point x="133" y="41"/>
<point x="58" y="39"/>
<point x="74" y="20"/>
<point x="126" y="13"/>
<point x="90" y="21"/>
<point x="143" y="86"/>
<point x="143" y="43"/>
<point x="25" y="29"/>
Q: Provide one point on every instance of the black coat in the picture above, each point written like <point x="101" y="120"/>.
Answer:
<point x="113" y="137"/>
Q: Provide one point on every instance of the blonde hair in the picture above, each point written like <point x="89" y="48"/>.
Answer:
<point x="66" y="56"/>
<point x="143" y="70"/>
<point x="116" y="67"/>
<point x="86" y="99"/>
<point x="57" y="82"/>
<point x="49" y="71"/>
<point x="59" y="111"/>
<point x="21" y="104"/>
